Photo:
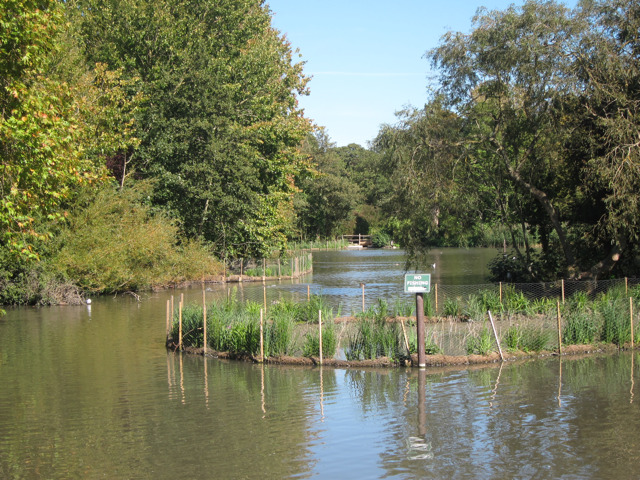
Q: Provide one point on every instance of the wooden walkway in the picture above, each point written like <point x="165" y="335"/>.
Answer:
<point x="358" y="241"/>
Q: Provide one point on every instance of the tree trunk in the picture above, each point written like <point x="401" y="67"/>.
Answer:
<point x="549" y="208"/>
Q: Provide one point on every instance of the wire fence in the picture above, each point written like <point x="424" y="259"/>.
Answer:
<point x="443" y="295"/>
<point x="294" y="266"/>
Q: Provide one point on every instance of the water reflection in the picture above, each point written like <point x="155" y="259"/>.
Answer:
<point x="94" y="394"/>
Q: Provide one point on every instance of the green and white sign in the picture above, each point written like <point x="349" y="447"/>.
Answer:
<point x="417" y="283"/>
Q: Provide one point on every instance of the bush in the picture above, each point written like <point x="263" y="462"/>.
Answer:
<point x="380" y="239"/>
<point x="116" y="243"/>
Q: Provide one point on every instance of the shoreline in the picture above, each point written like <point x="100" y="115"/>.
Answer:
<point x="432" y="361"/>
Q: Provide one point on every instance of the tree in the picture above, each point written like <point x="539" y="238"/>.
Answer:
<point x="509" y="78"/>
<point x="219" y="127"/>
<point x="41" y="162"/>
<point x="608" y="67"/>
<point x="327" y="196"/>
<point x="424" y="158"/>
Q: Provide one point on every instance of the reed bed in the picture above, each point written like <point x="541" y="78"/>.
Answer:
<point x="387" y="329"/>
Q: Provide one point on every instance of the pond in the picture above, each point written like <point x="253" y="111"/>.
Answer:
<point x="91" y="392"/>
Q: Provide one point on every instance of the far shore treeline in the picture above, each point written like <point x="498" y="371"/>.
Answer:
<point x="146" y="142"/>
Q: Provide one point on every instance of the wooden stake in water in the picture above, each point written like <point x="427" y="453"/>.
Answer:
<point x="631" y="319"/>
<point x="320" y="333"/>
<point x="422" y="356"/>
<point x="559" y="330"/>
<point x="168" y="317"/>
<point x="495" y="335"/>
<point x="264" y="293"/>
<point x="308" y="293"/>
<point x="362" y="285"/>
<point x="180" y="325"/>
<point x="204" y="319"/>
<point x="261" y="337"/>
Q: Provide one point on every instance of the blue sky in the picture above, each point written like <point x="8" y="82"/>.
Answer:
<point x="366" y="57"/>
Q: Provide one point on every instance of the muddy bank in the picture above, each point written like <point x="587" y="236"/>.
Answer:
<point x="438" y="360"/>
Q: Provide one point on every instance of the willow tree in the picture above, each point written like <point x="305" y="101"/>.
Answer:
<point x="219" y="127"/>
<point x="608" y="66"/>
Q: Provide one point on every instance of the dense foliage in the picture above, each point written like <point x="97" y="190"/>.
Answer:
<point x="530" y="139"/>
<point x="197" y="99"/>
<point x="534" y="127"/>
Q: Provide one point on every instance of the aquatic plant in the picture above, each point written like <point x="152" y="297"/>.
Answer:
<point x="480" y="343"/>
<point x="311" y="347"/>
<point x="451" y="308"/>
<point x="403" y="307"/>
<point x="615" y="326"/>
<point x="278" y="335"/>
<point x="374" y="339"/>
<point x="535" y="339"/>
<point x="515" y="302"/>
<point x="430" y="346"/>
<point x="474" y="308"/>
<point x="513" y="338"/>
<point x="580" y="328"/>
<point x="528" y="339"/>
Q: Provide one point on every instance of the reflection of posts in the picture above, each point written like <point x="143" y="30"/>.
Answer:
<point x="422" y="358"/>
<point x="560" y="382"/>
<point x="422" y="403"/>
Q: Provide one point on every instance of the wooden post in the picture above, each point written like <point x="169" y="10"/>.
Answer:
<point x="264" y="293"/>
<point x="559" y="330"/>
<point x="362" y="285"/>
<point x="563" y="291"/>
<point x="631" y="319"/>
<point x="495" y="335"/>
<point x="406" y="340"/>
<point x="168" y="318"/>
<point x="264" y="270"/>
<point x="308" y="293"/>
<point x="261" y="337"/>
<point x="180" y="325"/>
<point x="422" y="357"/>
<point x="279" y="270"/>
<point x="204" y="320"/>
<point x="500" y="293"/>
<point x="241" y="268"/>
<point x="320" y="333"/>
<point x="436" y="312"/>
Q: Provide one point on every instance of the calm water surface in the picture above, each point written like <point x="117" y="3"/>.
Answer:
<point x="92" y="393"/>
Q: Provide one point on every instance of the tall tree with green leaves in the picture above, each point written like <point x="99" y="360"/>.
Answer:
<point x="608" y="67"/>
<point x="220" y="127"/>
<point x="42" y="162"/>
<point x="327" y="197"/>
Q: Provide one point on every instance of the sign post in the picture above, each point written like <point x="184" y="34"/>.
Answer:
<point x="419" y="283"/>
